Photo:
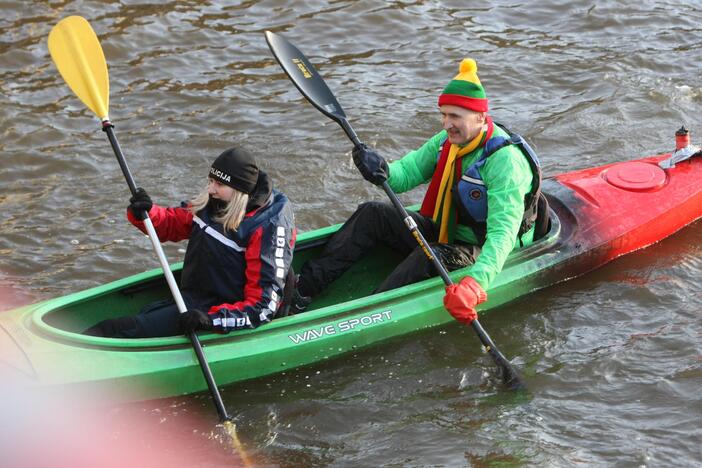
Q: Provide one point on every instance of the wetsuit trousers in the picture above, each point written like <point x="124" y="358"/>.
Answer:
<point x="377" y="223"/>
<point x="160" y="318"/>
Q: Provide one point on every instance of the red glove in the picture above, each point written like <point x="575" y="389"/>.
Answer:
<point x="460" y="299"/>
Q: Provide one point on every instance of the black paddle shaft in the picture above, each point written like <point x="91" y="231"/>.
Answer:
<point x="313" y="87"/>
<point x="108" y="128"/>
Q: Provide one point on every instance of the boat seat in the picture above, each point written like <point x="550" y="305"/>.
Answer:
<point x="289" y="288"/>
<point x="542" y="224"/>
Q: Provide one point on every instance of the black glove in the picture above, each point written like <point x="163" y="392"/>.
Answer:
<point x="139" y="203"/>
<point x="193" y="320"/>
<point x="372" y="166"/>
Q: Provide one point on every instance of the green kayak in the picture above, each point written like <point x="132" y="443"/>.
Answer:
<point x="597" y="215"/>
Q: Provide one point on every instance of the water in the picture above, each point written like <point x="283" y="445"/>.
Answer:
<point x="612" y="359"/>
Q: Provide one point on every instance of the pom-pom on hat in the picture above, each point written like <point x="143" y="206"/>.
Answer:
<point x="236" y="168"/>
<point x="465" y="89"/>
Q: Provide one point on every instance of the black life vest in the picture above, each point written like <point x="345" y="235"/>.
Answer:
<point x="215" y="260"/>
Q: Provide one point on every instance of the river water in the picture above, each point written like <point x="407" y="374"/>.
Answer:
<point x="613" y="360"/>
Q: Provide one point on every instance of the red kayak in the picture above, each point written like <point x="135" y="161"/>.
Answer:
<point x="622" y="207"/>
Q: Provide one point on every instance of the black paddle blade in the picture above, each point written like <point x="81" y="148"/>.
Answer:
<point x="511" y="379"/>
<point x="305" y="77"/>
<point x="509" y="374"/>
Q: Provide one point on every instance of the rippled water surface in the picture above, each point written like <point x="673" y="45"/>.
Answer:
<point x="613" y="360"/>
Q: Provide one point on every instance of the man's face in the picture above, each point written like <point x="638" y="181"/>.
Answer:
<point x="461" y="124"/>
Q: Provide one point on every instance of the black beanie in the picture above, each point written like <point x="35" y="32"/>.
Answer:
<point x="236" y="168"/>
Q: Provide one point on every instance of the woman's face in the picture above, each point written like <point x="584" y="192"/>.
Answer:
<point x="218" y="190"/>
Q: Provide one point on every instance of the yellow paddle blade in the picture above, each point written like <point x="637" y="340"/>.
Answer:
<point x="77" y="53"/>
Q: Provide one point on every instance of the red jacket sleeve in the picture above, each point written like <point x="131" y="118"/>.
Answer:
<point x="171" y="224"/>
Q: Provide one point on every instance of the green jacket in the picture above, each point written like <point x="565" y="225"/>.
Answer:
<point x="508" y="179"/>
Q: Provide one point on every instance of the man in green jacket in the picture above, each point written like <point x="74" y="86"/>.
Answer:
<point x="473" y="212"/>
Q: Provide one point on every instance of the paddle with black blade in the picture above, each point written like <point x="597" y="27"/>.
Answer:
<point x="77" y="53"/>
<point x="306" y="78"/>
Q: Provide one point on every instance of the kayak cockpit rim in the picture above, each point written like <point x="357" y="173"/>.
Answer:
<point x="42" y="311"/>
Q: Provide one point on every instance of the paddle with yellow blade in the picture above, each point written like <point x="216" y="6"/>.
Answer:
<point x="77" y="53"/>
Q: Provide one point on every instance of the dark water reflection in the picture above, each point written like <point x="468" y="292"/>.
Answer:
<point x="612" y="359"/>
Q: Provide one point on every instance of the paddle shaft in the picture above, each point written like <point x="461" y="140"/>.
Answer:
<point x="108" y="128"/>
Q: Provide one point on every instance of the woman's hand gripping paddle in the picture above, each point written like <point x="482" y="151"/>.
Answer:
<point x="78" y="56"/>
<point x="305" y="77"/>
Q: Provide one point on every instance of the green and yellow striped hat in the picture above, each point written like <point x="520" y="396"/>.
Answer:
<point x="465" y="89"/>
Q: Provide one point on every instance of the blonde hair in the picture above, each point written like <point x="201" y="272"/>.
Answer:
<point x="233" y="212"/>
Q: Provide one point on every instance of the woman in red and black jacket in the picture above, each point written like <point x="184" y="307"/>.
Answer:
<point x="242" y="236"/>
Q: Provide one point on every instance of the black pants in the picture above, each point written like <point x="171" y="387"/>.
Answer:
<point x="376" y="223"/>
<point x="157" y="319"/>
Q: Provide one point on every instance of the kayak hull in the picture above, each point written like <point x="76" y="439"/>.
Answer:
<point x="597" y="214"/>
